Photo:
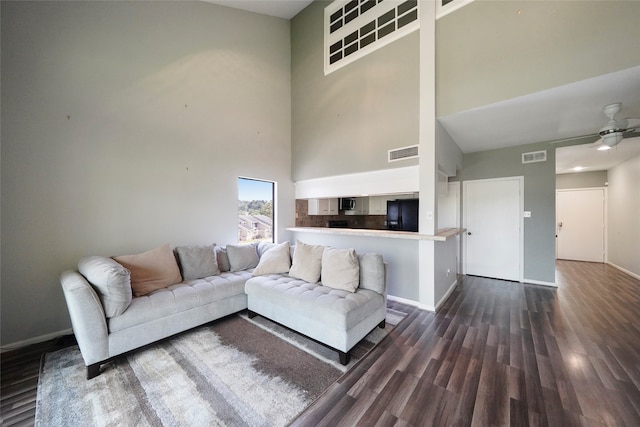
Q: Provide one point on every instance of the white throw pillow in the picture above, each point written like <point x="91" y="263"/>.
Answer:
<point x="340" y="269"/>
<point x="307" y="262"/>
<point x="275" y="260"/>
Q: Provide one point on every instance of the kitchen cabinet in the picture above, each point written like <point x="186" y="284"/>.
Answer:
<point x="323" y="207"/>
<point x="362" y="206"/>
<point x="378" y="204"/>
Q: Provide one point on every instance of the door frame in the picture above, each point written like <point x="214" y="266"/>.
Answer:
<point x="520" y="180"/>
<point x="605" y="217"/>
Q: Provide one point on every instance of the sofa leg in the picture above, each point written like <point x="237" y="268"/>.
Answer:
<point x="345" y="358"/>
<point x="93" y="370"/>
<point x="251" y="314"/>
<point x="382" y="324"/>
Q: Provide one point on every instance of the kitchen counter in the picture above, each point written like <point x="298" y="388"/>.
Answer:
<point x="441" y="236"/>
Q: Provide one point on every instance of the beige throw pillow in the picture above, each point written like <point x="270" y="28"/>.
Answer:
<point x="151" y="270"/>
<point x="307" y="262"/>
<point x="340" y="269"/>
<point x="275" y="260"/>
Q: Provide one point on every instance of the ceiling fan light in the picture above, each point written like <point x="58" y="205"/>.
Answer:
<point x="603" y="148"/>
<point x="612" y="139"/>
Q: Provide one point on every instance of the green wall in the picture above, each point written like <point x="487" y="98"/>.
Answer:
<point x="539" y="198"/>
<point x="125" y="126"/>
<point x="346" y="122"/>
<point x="488" y="52"/>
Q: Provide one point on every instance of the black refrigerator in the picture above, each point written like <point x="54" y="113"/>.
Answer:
<point x="402" y="215"/>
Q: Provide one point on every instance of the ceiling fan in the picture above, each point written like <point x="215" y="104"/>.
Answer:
<point x="614" y="131"/>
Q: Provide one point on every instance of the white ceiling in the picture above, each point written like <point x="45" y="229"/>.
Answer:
<point x="587" y="157"/>
<point x="286" y="9"/>
<point x="560" y="113"/>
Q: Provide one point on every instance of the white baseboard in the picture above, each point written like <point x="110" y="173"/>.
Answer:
<point x="36" y="340"/>
<point x="446" y="295"/>
<point x="410" y="302"/>
<point x="539" y="282"/>
<point x="624" y="270"/>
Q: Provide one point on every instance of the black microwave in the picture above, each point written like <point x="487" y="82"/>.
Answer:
<point x="347" y="204"/>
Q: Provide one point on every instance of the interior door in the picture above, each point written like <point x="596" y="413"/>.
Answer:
<point x="580" y="224"/>
<point x="493" y="219"/>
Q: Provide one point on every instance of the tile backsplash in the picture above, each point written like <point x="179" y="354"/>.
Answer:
<point x="303" y="219"/>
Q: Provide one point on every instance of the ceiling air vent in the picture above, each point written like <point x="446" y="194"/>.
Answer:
<point x="534" y="157"/>
<point x="403" y="153"/>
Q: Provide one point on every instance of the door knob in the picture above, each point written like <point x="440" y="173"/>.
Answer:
<point x="468" y="233"/>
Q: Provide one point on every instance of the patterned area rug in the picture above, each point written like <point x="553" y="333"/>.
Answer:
<point x="232" y="372"/>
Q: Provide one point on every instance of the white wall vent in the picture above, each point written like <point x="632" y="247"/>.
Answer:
<point x="403" y="153"/>
<point x="534" y="157"/>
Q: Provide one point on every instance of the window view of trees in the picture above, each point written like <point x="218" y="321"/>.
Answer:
<point x="255" y="210"/>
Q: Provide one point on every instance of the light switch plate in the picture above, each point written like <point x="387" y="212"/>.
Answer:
<point x="527" y="214"/>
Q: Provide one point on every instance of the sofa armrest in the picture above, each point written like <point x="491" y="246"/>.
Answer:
<point x="87" y="317"/>
<point x="373" y="273"/>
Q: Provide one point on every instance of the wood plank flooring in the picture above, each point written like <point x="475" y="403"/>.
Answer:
<point x="503" y="353"/>
<point x="497" y="353"/>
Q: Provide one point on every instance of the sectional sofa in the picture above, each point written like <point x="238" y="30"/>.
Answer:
<point x="120" y="304"/>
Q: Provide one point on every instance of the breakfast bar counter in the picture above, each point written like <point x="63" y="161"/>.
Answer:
<point x="441" y="236"/>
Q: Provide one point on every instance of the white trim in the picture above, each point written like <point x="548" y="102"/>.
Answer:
<point x="370" y="15"/>
<point x="624" y="270"/>
<point x="540" y="282"/>
<point x="451" y="7"/>
<point x="36" y="340"/>
<point x="386" y="181"/>
<point x="521" y="219"/>
<point x="447" y="294"/>
<point x="411" y="303"/>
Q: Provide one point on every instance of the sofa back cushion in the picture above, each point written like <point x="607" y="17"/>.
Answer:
<point x="151" y="270"/>
<point x="275" y="260"/>
<point x="197" y="262"/>
<point x="111" y="281"/>
<point x="242" y="257"/>
<point x="307" y="262"/>
<point x="372" y="272"/>
<point x="340" y="269"/>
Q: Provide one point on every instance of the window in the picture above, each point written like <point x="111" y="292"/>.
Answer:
<point x="354" y="28"/>
<point x="255" y="210"/>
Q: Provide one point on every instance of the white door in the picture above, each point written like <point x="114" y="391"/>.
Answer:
<point x="580" y="224"/>
<point x="493" y="219"/>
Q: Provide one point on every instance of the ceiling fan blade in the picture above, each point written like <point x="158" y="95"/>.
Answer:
<point x="587" y="139"/>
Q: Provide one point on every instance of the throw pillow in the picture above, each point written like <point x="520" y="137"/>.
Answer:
<point x="242" y="257"/>
<point x="111" y="281"/>
<point x="275" y="260"/>
<point x="151" y="270"/>
<point x="372" y="272"/>
<point x="197" y="261"/>
<point x="307" y="262"/>
<point x="340" y="269"/>
<point x="222" y="258"/>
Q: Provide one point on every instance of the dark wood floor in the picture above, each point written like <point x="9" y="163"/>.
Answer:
<point x="497" y="353"/>
<point x="503" y="353"/>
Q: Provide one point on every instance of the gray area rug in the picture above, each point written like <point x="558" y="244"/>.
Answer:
<point x="232" y="372"/>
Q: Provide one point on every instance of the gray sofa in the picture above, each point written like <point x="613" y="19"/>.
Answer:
<point x="107" y="321"/>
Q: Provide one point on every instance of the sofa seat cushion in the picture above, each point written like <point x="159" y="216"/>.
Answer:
<point x="179" y="298"/>
<point x="335" y="308"/>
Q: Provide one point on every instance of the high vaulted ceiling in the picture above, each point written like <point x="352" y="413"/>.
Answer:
<point x="555" y="114"/>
